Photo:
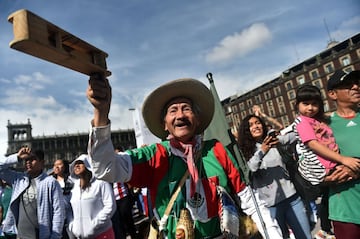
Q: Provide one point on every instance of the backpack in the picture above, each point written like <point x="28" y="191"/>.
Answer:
<point x="290" y="157"/>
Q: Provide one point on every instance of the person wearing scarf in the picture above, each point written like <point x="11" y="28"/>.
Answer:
<point x="177" y="112"/>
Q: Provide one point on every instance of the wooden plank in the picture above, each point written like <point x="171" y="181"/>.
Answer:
<point x="37" y="37"/>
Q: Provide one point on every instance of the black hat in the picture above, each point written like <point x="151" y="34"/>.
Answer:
<point x="340" y="76"/>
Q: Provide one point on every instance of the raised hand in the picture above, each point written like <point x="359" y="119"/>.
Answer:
<point x="24" y="152"/>
<point x="99" y="95"/>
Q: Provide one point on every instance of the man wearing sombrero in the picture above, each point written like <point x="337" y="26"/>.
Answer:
<point x="178" y="112"/>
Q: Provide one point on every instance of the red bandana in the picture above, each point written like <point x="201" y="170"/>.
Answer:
<point x="186" y="151"/>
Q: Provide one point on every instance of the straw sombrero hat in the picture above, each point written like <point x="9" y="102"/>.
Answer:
<point x="192" y="89"/>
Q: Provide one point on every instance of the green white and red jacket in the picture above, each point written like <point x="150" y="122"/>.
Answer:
<point x="155" y="168"/>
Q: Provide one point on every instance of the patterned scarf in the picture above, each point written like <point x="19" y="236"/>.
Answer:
<point x="187" y="151"/>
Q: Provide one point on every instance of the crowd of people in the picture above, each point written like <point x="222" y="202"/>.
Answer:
<point x="87" y="205"/>
<point x="193" y="184"/>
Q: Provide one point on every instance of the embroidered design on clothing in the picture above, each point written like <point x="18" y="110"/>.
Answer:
<point x="196" y="201"/>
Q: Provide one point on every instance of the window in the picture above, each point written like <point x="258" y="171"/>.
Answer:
<point x="271" y="113"/>
<point x="345" y="61"/>
<point x="329" y="68"/>
<point x="257" y="99"/>
<point x="282" y="109"/>
<point x="270" y="108"/>
<point x="235" y="119"/>
<point x="228" y="109"/>
<point x="249" y="103"/>
<point x="277" y="91"/>
<point x="280" y="104"/>
<point x="241" y="106"/>
<point x="317" y="83"/>
<point x="234" y="109"/>
<point x="314" y="74"/>
<point x="280" y="100"/>
<point x="288" y="85"/>
<point x="300" y="80"/>
<point x="267" y="95"/>
<point x="291" y="94"/>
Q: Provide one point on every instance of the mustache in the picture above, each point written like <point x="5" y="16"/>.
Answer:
<point x="183" y="121"/>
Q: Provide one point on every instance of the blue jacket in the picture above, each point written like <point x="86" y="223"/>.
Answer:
<point x="50" y="202"/>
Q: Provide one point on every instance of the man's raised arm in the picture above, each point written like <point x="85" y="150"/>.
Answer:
<point x="99" y="95"/>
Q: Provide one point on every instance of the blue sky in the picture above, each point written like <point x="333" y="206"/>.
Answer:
<point x="244" y="43"/>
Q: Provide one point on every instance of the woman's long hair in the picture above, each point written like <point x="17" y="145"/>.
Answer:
<point x="66" y="172"/>
<point x="309" y="92"/>
<point x="246" y="142"/>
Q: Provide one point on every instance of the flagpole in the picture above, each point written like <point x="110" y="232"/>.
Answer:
<point x="227" y="138"/>
<point x="229" y="141"/>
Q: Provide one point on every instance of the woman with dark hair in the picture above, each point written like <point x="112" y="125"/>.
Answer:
<point x="270" y="177"/>
<point x="61" y="173"/>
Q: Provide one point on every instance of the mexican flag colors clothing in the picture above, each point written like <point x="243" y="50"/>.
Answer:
<point x="160" y="171"/>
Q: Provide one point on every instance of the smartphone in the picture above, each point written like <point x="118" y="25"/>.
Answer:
<point x="272" y="133"/>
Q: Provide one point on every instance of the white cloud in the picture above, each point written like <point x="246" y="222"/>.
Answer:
<point x="5" y="81"/>
<point x="29" y="101"/>
<point x="239" y="44"/>
<point x="36" y="81"/>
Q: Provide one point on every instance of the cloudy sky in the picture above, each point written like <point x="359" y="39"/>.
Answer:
<point x="244" y="43"/>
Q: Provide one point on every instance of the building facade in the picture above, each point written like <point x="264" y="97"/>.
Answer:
<point x="276" y="98"/>
<point x="65" y="146"/>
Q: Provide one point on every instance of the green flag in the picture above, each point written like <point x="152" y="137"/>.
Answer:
<point x="219" y="129"/>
